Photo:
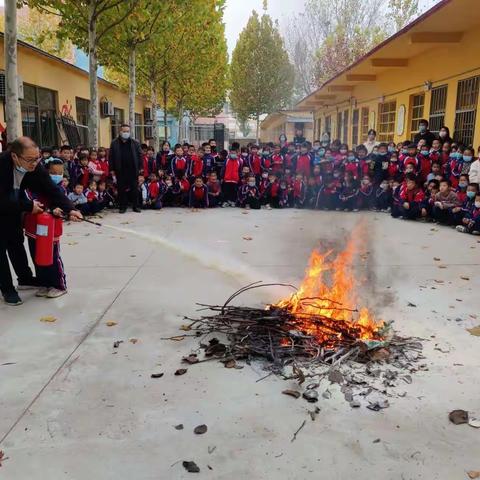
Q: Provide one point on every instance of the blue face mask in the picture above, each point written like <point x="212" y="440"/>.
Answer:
<point x="321" y="152"/>
<point x="471" y="195"/>
<point x="467" y="158"/>
<point x="425" y="153"/>
<point x="350" y="158"/>
<point x="56" y="179"/>
<point x="21" y="169"/>
<point x="404" y="151"/>
<point x="233" y="156"/>
<point x="382" y="154"/>
<point x="457" y="155"/>
<point x="391" y="149"/>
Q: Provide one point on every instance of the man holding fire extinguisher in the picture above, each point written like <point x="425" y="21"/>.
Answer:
<point x="20" y="170"/>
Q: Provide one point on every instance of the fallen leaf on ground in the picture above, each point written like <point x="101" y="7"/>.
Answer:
<point x="178" y="427"/>
<point x="465" y="278"/>
<point x="442" y="266"/>
<point x="2" y="457"/>
<point x="211" y="449"/>
<point x="181" y="371"/>
<point x="72" y="243"/>
<point x="110" y="323"/>
<point x="124" y="223"/>
<point x="132" y="256"/>
<point x="230" y="364"/>
<point x="191" y="467"/>
<point x="437" y="259"/>
<point x="117" y="343"/>
<point x="133" y="340"/>
<point x="156" y="375"/>
<point x="310" y="396"/>
<point x="475" y="331"/>
<point x="292" y="393"/>
<point x="335" y="376"/>
<point x="186" y="328"/>
<point x="245" y="213"/>
<point x="247" y="238"/>
<point x="410" y="304"/>
<point x="191" y="359"/>
<point x="458" y="417"/>
<point x="200" y="430"/>
<point x="439" y="281"/>
<point x="48" y="319"/>
<point x="473" y="474"/>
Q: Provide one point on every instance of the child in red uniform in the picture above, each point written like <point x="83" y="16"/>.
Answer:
<point x="198" y="197"/>
<point x="214" y="191"/>
<point x="231" y="179"/>
<point x="248" y="195"/>
<point x="51" y="278"/>
<point x="299" y="191"/>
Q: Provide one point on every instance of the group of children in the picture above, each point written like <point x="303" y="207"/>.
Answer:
<point x="409" y="180"/>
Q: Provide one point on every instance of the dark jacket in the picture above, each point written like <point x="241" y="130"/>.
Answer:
<point x="115" y="159"/>
<point x="428" y="136"/>
<point x="38" y="182"/>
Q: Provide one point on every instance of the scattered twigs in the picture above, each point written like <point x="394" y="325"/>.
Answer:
<point x="298" y="431"/>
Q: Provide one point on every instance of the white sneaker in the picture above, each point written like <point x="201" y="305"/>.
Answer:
<point x="268" y="206"/>
<point x="42" y="292"/>
<point x="55" y="293"/>
<point x="461" y="229"/>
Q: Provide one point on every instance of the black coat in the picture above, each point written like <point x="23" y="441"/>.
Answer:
<point x="38" y="182"/>
<point x="115" y="158"/>
<point x="428" y="136"/>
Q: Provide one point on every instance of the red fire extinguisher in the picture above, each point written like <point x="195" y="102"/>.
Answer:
<point x="44" y="242"/>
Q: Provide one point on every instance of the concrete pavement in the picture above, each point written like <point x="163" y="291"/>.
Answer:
<point x="73" y="407"/>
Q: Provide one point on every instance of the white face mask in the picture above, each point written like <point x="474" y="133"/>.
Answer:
<point x="251" y="184"/>
<point x="442" y="134"/>
<point x="477" y="204"/>
<point x="125" y="135"/>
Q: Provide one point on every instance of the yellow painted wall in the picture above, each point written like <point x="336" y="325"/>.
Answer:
<point x="444" y="64"/>
<point x="69" y="82"/>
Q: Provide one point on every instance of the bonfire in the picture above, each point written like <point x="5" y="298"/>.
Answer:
<point x="319" y="321"/>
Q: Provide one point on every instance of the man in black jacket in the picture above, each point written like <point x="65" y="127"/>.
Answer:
<point x="19" y="171"/>
<point x="125" y="160"/>
<point x="424" y="133"/>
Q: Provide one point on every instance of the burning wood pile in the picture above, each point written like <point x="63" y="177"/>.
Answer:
<point x="316" y="332"/>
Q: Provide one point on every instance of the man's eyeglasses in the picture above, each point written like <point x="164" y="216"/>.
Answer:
<point x="30" y="161"/>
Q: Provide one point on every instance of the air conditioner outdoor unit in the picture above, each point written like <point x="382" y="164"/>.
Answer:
<point x="147" y="115"/>
<point x="106" y="109"/>
<point x="3" y="86"/>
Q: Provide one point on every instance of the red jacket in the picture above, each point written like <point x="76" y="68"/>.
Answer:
<point x="277" y="163"/>
<point x="304" y="164"/>
<point x="196" y="166"/>
<point x="231" y="170"/>
<point x="255" y="164"/>
<point x="412" y="196"/>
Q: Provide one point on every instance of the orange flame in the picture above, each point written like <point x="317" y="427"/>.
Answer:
<point x="336" y="302"/>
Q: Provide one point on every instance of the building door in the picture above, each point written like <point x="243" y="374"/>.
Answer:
<point x="386" y="121"/>
<point x="466" y="111"/>
<point x="438" y="105"/>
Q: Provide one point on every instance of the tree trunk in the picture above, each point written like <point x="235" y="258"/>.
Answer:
<point x="165" y="115"/>
<point x="11" y="103"/>
<point x="181" y="127"/>
<point x="153" y="99"/>
<point x="93" y="120"/>
<point x="132" y="90"/>
<point x="258" y="129"/>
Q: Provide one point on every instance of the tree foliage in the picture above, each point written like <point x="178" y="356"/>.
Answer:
<point x="329" y="35"/>
<point x="40" y="29"/>
<point x="261" y="73"/>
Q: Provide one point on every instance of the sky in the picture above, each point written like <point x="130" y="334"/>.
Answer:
<point x="237" y="13"/>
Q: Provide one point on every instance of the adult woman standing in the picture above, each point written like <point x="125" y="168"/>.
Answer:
<point x="371" y="141"/>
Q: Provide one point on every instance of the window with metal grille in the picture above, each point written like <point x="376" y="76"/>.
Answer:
<point x="466" y="110"/>
<point x="386" y="121"/>
<point x="117" y="120"/>
<point x="438" y="105"/>
<point x="364" y="124"/>
<point x="355" y="123"/>
<point x="339" y="126"/>
<point x="319" y="128"/>
<point x="345" y="127"/>
<point x="38" y="109"/>
<point x="82" y="106"/>
<point x="328" y="125"/>
<point x="138" y="127"/>
<point x="417" y="102"/>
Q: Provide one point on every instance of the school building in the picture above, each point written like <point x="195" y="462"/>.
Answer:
<point x="54" y="101"/>
<point x="287" y="122"/>
<point x="430" y="69"/>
